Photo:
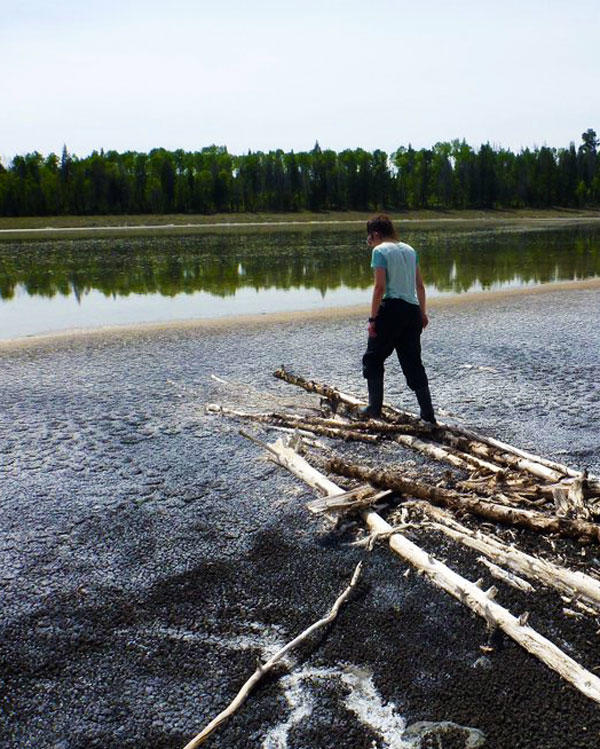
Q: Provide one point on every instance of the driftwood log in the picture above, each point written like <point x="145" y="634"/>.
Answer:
<point x="457" y="458"/>
<point x="508" y="577"/>
<point x="506" y="448"/>
<point x="350" y="402"/>
<point x="499" y="513"/>
<point x="322" y="427"/>
<point x="350" y="501"/>
<point x="572" y="583"/>
<point x="505" y="458"/>
<point x="445" y="578"/>
<point x="264" y="668"/>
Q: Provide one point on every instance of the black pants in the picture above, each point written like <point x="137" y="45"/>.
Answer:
<point x="398" y="325"/>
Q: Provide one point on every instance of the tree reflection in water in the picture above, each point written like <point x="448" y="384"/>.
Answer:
<point x="221" y="264"/>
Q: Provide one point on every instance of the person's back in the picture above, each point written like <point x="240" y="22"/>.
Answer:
<point x="400" y="263"/>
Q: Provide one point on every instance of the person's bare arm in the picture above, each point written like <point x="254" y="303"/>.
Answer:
<point x="378" y="292"/>
<point x="421" y="298"/>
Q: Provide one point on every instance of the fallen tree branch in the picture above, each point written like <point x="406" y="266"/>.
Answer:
<point x="500" y="513"/>
<point x="465" y="591"/>
<point x="570" y="500"/>
<point x="264" y="668"/>
<point x="285" y="456"/>
<point x="351" y="402"/>
<point x="573" y="583"/>
<point x="504" y="447"/>
<point x="359" y="498"/>
<point x="520" y="488"/>
<point x="508" y="577"/>
<point x="323" y="427"/>
<point x="458" y="459"/>
<point x="512" y="458"/>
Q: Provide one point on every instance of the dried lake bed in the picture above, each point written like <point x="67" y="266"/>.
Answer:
<point x="149" y="554"/>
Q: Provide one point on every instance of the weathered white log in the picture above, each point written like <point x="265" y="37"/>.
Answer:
<point x="576" y="497"/>
<point x="536" y="521"/>
<point x="466" y="592"/>
<point x="289" y="458"/>
<point x="520" y="488"/>
<point x="463" y="590"/>
<point x="513" y="457"/>
<point x="264" y="668"/>
<point x="575" y="584"/>
<point x="508" y="577"/>
<point x="505" y="447"/>
<point x="269" y="416"/>
<point x="481" y="447"/>
<point x="459" y="460"/>
<point x="350" y="500"/>
<point x="323" y="427"/>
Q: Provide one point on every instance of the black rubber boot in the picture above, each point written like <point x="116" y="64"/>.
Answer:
<point x="424" y="398"/>
<point x="373" y="410"/>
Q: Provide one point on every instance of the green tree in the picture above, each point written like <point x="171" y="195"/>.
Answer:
<point x="590" y="141"/>
<point x="587" y="158"/>
<point x="464" y="174"/>
<point x="546" y="178"/>
<point x="404" y="161"/>
<point x="442" y="176"/>
<point x="487" y="183"/>
<point x="382" y="183"/>
<point x="567" y="176"/>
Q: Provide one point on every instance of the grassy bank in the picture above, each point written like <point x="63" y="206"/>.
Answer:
<point x="43" y="227"/>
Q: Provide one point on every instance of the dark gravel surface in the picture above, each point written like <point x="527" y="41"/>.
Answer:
<point x="149" y="555"/>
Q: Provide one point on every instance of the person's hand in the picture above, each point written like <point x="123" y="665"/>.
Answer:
<point x="424" y="320"/>
<point x="372" y="330"/>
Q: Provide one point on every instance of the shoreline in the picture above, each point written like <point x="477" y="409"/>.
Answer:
<point x="56" y="227"/>
<point x="209" y="326"/>
<point x="305" y="222"/>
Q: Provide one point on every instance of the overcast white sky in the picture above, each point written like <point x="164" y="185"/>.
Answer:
<point x="263" y="75"/>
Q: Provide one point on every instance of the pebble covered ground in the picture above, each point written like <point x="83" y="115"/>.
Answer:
<point x="149" y="554"/>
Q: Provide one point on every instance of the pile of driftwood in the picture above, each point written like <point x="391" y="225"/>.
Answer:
<point x="497" y="484"/>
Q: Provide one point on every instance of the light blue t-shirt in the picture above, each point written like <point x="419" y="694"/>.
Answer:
<point x="400" y="263"/>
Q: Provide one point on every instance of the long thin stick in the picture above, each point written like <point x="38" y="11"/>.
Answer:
<point x="264" y="668"/>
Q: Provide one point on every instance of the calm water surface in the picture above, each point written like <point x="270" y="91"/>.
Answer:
<point x="82" y="283"/>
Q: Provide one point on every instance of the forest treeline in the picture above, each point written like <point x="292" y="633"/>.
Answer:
<point x="448" y="176"/>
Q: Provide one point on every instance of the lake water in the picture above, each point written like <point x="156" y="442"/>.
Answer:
<point x="53" y="285"/>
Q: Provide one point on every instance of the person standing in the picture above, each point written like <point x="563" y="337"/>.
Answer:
<point x="398" y="316"/>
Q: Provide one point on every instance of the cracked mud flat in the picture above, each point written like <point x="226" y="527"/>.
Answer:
<point x="149" y="556"/>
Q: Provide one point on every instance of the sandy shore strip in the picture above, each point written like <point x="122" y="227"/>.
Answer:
<point x="521" y="221"/>
<point x="309" y="222"/>
<point x="229" y="323"/>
